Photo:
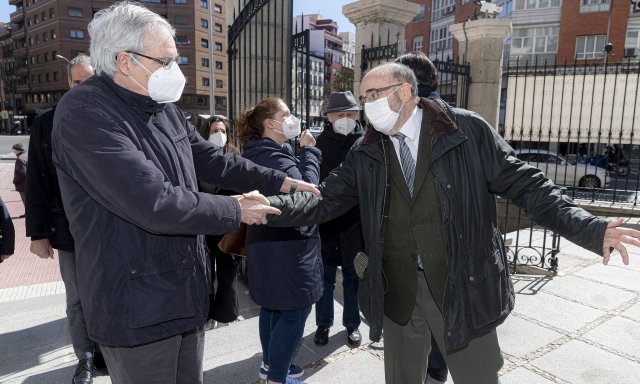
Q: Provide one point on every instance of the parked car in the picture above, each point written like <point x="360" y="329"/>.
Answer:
<point x="562" y="171"/>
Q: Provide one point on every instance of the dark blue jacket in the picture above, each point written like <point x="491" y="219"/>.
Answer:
<point x="284" y="264"/>
<point x="127" y="168"/>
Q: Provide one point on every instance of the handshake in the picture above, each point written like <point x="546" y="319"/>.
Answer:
<point x="255" y="207"/>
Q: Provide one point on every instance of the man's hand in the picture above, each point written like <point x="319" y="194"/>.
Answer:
<point x="255" y="208"/>
<point x="303" y="186"/>
<point x="42" y="248"/>
<point x="615" y="236"/>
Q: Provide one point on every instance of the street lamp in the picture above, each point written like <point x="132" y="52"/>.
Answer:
<point x="212" y="61"/>
<point x="63" y="58"/>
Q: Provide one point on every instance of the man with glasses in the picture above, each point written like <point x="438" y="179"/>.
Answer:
<point x="425" y="178"/>
<point x="127" y="163"/>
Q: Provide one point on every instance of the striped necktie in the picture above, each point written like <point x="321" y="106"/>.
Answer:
<point x="407" y="162"/>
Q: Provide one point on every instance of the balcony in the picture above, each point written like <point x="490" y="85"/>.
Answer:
<point x="20" y="52"/>
<point x="15" y="2"/>
<point x="22" y="88"/>
<point x="17" y="33"/>
<point x="16" y="16"/>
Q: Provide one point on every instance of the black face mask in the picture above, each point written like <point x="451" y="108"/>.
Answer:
<point x="424" y="90"/>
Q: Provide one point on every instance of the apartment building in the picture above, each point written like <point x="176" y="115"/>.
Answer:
<point x="43" y="29"/>
<point x="552" y="31"/>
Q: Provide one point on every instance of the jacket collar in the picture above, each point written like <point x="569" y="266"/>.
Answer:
<point x="132" y="99"/>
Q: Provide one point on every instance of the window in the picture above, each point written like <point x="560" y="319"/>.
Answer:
<point x="46" y="57"/>
<point x="442" y="8"/>
<point x="181" y="20"/>
<point x="45" y="36"/>
<point x="218" y="83"/>
<point x="217" y="27"/>
<point x="218" y="64"/>
<point x="204" y="4"/>
<point x="201" y="100"/>
<point x="182" y="40"/>
<point x="217" y="8"/>
<point x="594" y="6"/>
<point x="441" y="39"/>
<point x="204" y="62"/>
<point x="535" y="4"/>
<point x="218" y="46"/>
<point x="46" y="77"/>
<point x="76" y="34"/>
<point x="590" y="47"/>
<point x="55" y="76"/>
<point x="631" y="43"/>
<point x="204" y="43"/>
<point x="531" y="42"/>
<point x="51" y="14"/>
<point x="43" y="15"/>
<point x="204" y="23"/>
<point x="417" y="43"/>
<point x="53" y="34"/>
<point x="183" y="60"/>
<point x="181" y="1"/>
<point x="30" y="41"/>
<point x="420" y="15"/>
<point x="205" y="81"/>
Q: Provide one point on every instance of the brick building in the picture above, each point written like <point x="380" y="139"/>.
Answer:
<point x="571" y="31"/>
<point x="43" y="29"/>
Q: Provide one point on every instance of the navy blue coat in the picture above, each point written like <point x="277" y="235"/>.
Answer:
<point x="284" y="264"/>
<point x="127" y="168"/>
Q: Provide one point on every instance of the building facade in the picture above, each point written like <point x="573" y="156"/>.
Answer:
<point x="551" y="31"/>
<point x="44" y="29"/>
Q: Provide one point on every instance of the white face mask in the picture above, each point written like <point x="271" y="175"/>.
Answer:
<point x="218" y="138"/>
<point x="344" y="126"/>
<point x="165" y="85"/>
<point x="380" y="114"/>
<point x="290" y="127"/>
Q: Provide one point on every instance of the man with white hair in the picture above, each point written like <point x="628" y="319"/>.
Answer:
<point x="425" y="178"/>
<point x="48" y="227"/>
<point x="128" y="165"/>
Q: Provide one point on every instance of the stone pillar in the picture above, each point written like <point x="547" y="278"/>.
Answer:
<point x="376" y="20"/>
<point x="481" y="43"/>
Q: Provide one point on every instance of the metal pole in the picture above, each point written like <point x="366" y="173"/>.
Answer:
<point x="606" y="54"/>
<point x="212" y="62"/>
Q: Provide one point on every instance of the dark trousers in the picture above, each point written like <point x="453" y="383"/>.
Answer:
<point x="437" y="365"/>
<point x="280" y="335"/>
<point x="324" y="307"/>
<point x="175" y="360"/>
<point x="223" y="302"/>
<point x="407" y="347"/>
<point x="77" y="326"/>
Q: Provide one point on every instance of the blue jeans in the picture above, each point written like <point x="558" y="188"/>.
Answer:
<point x="280" y="335"/>
<point x="324" y="307"/>
<point x="77" y="326"/>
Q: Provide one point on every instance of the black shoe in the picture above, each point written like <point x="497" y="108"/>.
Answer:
<point x="84" y="371"/>
<point x="322" y="336"/>
<point x="354" y="338"/>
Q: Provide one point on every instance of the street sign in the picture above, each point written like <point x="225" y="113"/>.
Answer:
<point x="5" y="115"/>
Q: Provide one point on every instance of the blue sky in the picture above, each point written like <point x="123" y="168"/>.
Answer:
<point x="329" y="9"/>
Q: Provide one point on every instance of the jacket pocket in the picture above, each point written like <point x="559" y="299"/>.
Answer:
<point x="161" y="293"/>
<point x="488" y="289"/>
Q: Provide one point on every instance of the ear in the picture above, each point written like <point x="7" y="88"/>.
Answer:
<point x="124" y="63"/>
<point x="405" y="92"/>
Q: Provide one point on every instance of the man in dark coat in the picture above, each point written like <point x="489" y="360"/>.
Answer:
<point x="20" y="171"/>
<point x="341" y="237"/>
<point x="128" y="163"/>
<point x="435" y="260"/>
<point x="48" y="227"/>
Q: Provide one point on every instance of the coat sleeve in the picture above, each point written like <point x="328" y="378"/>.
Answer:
<point x="6" y="231"/>
<point x="37" y="199"/>
<point x="339" y="192"/>
<point x="105" y="163"/>
<point x="231" y="171"/>
<point x="307" y="168"/>
<point x="528" y="188"/>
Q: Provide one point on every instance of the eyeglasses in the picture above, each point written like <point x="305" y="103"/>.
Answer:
<point x="165" y="61"/>
<point x="372" y="94"/>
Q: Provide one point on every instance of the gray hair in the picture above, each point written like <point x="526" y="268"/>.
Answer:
<point x="400" y="73"/>
<point x="81" y="59"/>
<point x="124" y="26"/>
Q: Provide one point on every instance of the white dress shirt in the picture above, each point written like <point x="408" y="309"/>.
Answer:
<point x="411" y="129"/>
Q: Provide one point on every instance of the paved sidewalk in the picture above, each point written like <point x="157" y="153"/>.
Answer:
<point x="579" y="327"/>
